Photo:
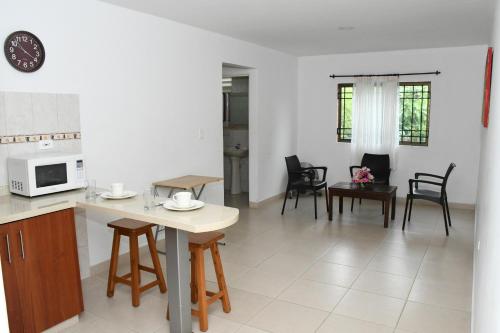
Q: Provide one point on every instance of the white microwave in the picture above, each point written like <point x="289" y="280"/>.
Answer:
<point x="43" y="173"/>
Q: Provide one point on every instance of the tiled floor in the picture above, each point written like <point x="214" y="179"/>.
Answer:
<point x="294" y="274"/>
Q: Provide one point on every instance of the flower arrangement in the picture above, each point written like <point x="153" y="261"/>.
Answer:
<point x="363" y="176"/>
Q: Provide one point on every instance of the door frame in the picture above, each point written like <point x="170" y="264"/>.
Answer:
<point x="235" y="71"/>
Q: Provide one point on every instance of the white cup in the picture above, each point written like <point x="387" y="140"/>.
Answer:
<point x="117" y="189"/>
<point x="182" y="199"/>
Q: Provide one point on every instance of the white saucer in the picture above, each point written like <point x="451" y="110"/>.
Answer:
<point x="171" y="205"/>
<point x="125" y="195"/>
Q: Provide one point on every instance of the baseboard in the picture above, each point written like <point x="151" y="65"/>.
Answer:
<point x="4" y="190"/>
<point x="253" y="204"/>
<point x="456" y="205"/>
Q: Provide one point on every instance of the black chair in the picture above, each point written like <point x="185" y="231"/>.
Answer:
<point x="380" y="168"/>
<point x="440" y="197"/>
<point x="302" y="179"/>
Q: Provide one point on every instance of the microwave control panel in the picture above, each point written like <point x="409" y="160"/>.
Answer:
<point x="80" y="170"/>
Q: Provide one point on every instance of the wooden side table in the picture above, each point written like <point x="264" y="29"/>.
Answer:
<point x="384" y="193"/>
<point x="189" y="182"/>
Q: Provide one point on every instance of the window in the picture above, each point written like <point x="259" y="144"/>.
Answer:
<point x="415" y="98"/>
<point x="344" y="128"/>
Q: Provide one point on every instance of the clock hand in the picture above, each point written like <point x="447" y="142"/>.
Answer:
<point x="19" y="45"/>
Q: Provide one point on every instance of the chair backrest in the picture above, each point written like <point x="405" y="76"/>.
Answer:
<point x="447" y="174"/>
<point x="292" y="165"/>
<point x="379" y="165"/>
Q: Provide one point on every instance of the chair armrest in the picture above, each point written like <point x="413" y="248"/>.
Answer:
<point x="303" y="173"/>
<point x="352" y="167"/>
<point x="418" y="174"/>
<point x="418" y="181"/>
<point x="318" y="168"/>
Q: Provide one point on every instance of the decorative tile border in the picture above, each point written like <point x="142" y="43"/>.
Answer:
<point x="37" y="137"/>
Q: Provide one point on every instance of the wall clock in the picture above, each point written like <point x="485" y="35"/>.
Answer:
<point x="24" y="51"/>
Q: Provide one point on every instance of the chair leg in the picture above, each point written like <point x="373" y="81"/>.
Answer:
<point x="202" y="293"/>
<point x="113" y="266"/>
<point x="297" y="199"/>
<point x="352" y="204"/>
<point x="315" y="206"/>
<point x="134" y="268"/>
<point x="448" y="210"/>
<point x="156" y="262"/>
<point x="286" y="196"/>
<point x="411" y="206"/>
<point x="444" y="216"/>
<point x="221" y="282"/>
<point x="406" y="210"/>
<point x="360" y="201"/>
<point x="326" y="198"/>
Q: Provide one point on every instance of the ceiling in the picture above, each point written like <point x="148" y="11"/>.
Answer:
<point x="313" y="27"/>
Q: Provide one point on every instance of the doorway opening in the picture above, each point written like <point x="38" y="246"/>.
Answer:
<point x="236" y="137"/>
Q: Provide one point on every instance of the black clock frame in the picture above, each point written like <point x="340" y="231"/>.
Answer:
<point x="6" y="46"/>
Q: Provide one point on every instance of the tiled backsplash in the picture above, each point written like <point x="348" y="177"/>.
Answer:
<point x="25" y="118"/>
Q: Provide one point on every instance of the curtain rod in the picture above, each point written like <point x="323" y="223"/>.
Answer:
<point x="333" y="76"/>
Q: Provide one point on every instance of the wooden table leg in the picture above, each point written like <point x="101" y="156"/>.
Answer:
<point x="393" y="207"/>
<point x="386" y="212"/>
<point x="330" y="205"/>
<point x="341" y="204"/>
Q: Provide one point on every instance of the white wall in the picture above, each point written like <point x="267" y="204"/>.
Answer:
<point x="486" y="289"/>
<point x="147" y="86"/>
<point x="454" y="118"/>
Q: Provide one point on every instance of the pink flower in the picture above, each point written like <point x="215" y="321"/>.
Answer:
<point x="363" y="175"/>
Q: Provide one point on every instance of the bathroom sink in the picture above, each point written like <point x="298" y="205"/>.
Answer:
<point x="234" y="152"/>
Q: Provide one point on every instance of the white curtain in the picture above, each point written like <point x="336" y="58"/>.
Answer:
<point x="375" y="118"/>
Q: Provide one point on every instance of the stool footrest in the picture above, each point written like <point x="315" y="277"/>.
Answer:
<point x="214" y="296"/>
<point x="147" y="269"/>
<point x="149" y="285"/>
<point x="124" y="280"/>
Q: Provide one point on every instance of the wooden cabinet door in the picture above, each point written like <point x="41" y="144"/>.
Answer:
<point x="14" y="279"/>
<point x="53" y="272"/>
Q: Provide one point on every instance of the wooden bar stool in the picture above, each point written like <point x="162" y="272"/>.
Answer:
<point x="198" y="243"/>
<point x="133" y="229"/>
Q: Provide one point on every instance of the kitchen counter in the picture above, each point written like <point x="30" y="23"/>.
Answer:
<point x="209" y="218"/>
<point x="15" y="207"/>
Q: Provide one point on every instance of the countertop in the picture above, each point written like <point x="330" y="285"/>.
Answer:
<point x="208" y="218"/>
